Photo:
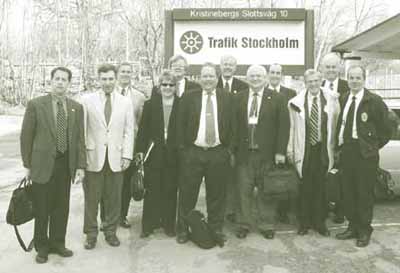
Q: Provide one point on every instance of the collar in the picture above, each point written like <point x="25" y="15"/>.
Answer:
<point x="359" y="95"/>
<point x="103" y="95"/>
<point x="225" y="80"/>
<point x="328" y="82"/>
<point x="259" y="93"/>
<point x="277" y="88"/>
<point x="206" y="93"/>
<point x="57" y="98"/>
<point x="311" y="96"/>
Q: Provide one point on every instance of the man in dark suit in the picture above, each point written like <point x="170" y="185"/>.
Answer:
<point x="227" y="81"/>
<point x="363" y="129"/>
<point x="53" y="151"/>
<point x="204" y="137"/>
<point x="311" y="143"/>
<point x="275" y="79"/>
<point x="332" y="83"/>
<point x="260" y="137"/>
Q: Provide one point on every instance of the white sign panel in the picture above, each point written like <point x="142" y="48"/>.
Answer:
<point x="251" y="42"/>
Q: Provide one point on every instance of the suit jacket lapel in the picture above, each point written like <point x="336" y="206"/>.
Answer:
<point x="197" y="109"/>
<point x="244" y="103"/>
<point x="48" y="107"/>
<point x="99" y="108"/>
<point x="71" y="119"/>
<point x="265" y="99"/>
<point x="220" y="112"/>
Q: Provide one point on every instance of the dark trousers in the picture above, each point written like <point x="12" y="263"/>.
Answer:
<point x="312" y="197"/>
<point x="104" y="186"/>
<point x="232" y="194"/>
<point x="51" y="206"/>
<point x="159" y="204"/>
<point x="251" y="175"/>
<point x="213" y="166"/>
<point x="126" y="194"/>
<point x="359" y="176"/>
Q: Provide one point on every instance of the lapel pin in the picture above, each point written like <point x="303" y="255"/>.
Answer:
<point x="364" y="117"/>
<point x="73" y="110"/>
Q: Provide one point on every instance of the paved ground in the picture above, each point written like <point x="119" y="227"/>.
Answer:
<point x="286" y="253"/>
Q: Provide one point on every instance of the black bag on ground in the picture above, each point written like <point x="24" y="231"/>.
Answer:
<point x="200" y="232"/>
<point x="137" y="184"/>
<point x="20" y="209"/>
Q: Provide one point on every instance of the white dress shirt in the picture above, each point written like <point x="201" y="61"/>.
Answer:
<point x="201" y="133"/>
<point x="334" y="87"/>
<point x="277" y="88"/>
<point x="224" y="81"/>
<point x="310" y="98"/>
<point x="359" y="97"/>
<point x="181" y="87"/>
<point x="249" y="103"/>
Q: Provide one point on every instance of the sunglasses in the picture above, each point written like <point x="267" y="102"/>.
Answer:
<point x="168" y="84"/>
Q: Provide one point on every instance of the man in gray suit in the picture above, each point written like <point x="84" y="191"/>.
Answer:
<point x="52" y="148"/>
<point x="109" y="142"/>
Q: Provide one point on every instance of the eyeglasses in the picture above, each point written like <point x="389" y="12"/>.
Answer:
<point x="168" y="84"/>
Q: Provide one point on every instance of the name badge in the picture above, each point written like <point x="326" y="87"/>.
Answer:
<point x="253" y="120"/>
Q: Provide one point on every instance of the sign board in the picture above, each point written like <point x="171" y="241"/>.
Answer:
<point x="253" y="36"/>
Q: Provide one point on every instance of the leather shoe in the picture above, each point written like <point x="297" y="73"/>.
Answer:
<point x="112" y="240"/>
<point x="346" y="235"/>
<point x="41" y="257"/>
<point x="182" y="238"/>
<point x="363" y="240"/>
<point x="268" y="234"/>
<point x="302" y="231"/>
<point x="62" y="251"/>
<point x="124" y="223"/>
<point x="338" y="219"/>
<point x="241" y="233"/>
<point x="90" y="243"/>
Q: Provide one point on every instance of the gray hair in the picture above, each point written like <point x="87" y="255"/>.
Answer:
<point x="176" y="58"/>
<point x="310" y="72"/>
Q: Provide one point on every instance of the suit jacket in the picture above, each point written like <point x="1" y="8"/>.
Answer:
<point x="272" y="130"/>
<point x="342" y="87"/>
<point x="298" y="147"/>
<point x="373" y="124"/>
<point x="114" y="139"/>
<point x="286" y="92"/>
<point x="138" y="99"/>
<point x="151" y="128"/>
<point x="189" y="117"/>
<point x="190" y="86"/>
<point x="237" y="85"/>
<point x="39" y="138"/>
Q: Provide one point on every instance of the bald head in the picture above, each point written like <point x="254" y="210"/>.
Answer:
<point x="331" y="66"/>
<point x="228" y="66"/>
<point x="256" y="77"/>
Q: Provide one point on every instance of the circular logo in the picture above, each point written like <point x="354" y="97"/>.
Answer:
<point x="191" y="42"/>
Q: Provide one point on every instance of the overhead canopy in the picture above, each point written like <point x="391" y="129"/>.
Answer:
<point x="381" y="41"/>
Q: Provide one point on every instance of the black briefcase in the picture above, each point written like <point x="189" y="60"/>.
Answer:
<point x="20" y="209"/>
<point x="281" y="181"/>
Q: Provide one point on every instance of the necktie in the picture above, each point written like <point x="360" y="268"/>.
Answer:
<point x="227" y="87"/>
<point x="254" y="105"/>
<point x="123" y="92"/>
<point x="107" y="108"/>
<point x="314" y="130"/>
<point x="61" y="128"/>
<point x="348" y="127"/>
<point x="210" y="122"/>
<point x="331" y="86"/>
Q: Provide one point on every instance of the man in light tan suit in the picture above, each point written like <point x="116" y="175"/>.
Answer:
<point x="109" y="145"/>
<point x="125" y="88"/>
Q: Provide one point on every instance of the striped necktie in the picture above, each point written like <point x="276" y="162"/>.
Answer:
<point x="61" y="128"/>
<point x="314" y="130"/>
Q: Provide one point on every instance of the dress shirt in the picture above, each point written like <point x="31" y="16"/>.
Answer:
<point x="277" y="88"/>
<point x="54" y="100"/>
<point x="335" y="86"/>
<point x="310" y="99"/>
<point x="201" y="134"/>
<point x="181" y="87"/>
<point x="259" y="101"/>
<point x="224" y="81"/>
<point x="359" y="97"/>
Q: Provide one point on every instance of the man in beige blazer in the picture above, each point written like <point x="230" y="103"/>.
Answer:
<point x="109" y="145"/>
